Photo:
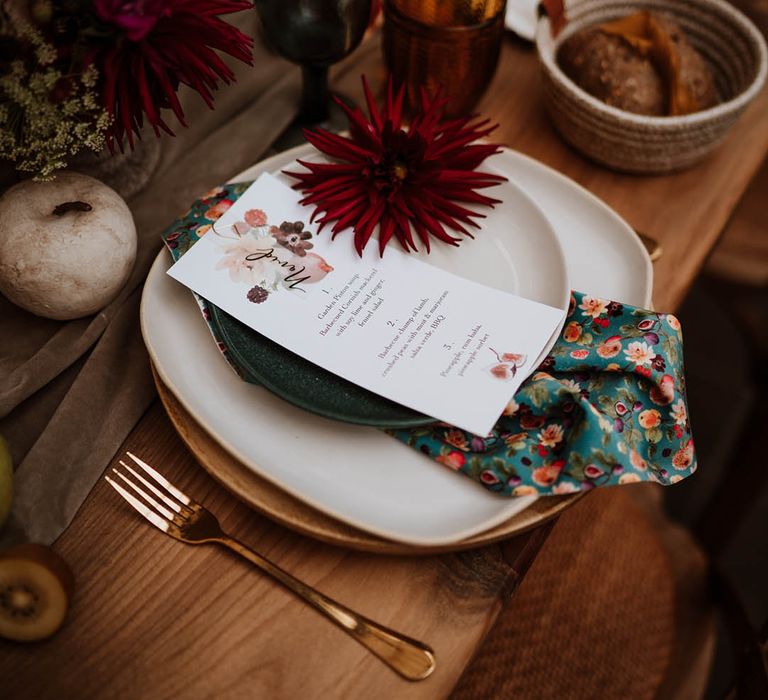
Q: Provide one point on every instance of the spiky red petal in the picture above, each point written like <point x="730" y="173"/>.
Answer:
<point x="140" y="77"/>
<point x="407" y="182"/>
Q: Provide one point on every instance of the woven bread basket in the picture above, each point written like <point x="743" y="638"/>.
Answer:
<point x="730" y="43"/>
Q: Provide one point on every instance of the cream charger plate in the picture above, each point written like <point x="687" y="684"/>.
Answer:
<point x="452" y="509"/>
<point x="358" y="475"/>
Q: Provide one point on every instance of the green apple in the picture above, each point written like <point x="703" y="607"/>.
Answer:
<point x="6" y="481"/>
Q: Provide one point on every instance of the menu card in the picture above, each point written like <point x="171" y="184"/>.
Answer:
<point x="423" y="337"/>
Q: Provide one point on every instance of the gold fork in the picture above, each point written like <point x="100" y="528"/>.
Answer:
<point x="183" y="518"/>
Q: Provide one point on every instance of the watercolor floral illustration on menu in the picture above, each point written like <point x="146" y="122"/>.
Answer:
<point x="267" y="257"/>
<point x="506" y="365"/>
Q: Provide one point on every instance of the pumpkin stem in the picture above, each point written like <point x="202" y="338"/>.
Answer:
<point x="65" y="207"/>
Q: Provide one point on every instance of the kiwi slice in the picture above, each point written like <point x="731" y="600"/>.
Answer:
<point x="35" y="587"/>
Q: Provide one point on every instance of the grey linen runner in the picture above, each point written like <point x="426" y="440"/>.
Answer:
<point x="70" y="392"/>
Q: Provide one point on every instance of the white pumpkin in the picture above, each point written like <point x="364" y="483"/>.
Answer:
<point x="67" y="246"/>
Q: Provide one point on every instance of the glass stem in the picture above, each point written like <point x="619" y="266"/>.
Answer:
<point x="314" y="94"/>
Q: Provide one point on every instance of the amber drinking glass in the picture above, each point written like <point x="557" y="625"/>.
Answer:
<point x="450" y="45"/>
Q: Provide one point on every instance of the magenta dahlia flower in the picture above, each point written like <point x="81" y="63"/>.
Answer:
<point x="160" y="44"/>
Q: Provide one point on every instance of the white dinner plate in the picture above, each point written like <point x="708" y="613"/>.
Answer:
<point x="604" y="255"/>
<point x="521" y="18"/>
<point x="360" y="475"/>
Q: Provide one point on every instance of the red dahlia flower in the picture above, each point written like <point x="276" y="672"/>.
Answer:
<point x="403" y="180"/>
<point x="160" y="44"/>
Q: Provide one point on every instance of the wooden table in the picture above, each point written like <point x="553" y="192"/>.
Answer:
<point x="155" y="619"/>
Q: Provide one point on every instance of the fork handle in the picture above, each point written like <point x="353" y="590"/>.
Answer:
<point x="409" y="657"/>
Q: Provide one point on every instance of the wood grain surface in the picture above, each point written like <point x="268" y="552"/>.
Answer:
<point x="156" y="618"/>
<point x="153" y="618"/>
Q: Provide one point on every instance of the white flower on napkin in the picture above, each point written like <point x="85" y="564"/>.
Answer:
<point x="640" y="353"/>
<point x="679" y="412"/>
<point x="593" y="307"/>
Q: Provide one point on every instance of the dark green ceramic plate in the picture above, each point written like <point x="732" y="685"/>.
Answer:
<point x="304" y="384"/>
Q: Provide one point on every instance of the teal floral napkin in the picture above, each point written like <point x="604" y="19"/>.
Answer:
<point x="607" y="406"/>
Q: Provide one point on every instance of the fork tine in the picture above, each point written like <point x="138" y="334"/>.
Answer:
<point x="170" y="503"/>
<point x="151" y="501"/>
<point x="186" y="500"/>
<point x="155" y="519"/>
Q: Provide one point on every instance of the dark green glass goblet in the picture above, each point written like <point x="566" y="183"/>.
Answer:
<point x="314" y="34"/>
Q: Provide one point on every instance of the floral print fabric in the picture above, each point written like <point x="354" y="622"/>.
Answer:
<point x="191" y="226"/>
<point x="607" y="406"/>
